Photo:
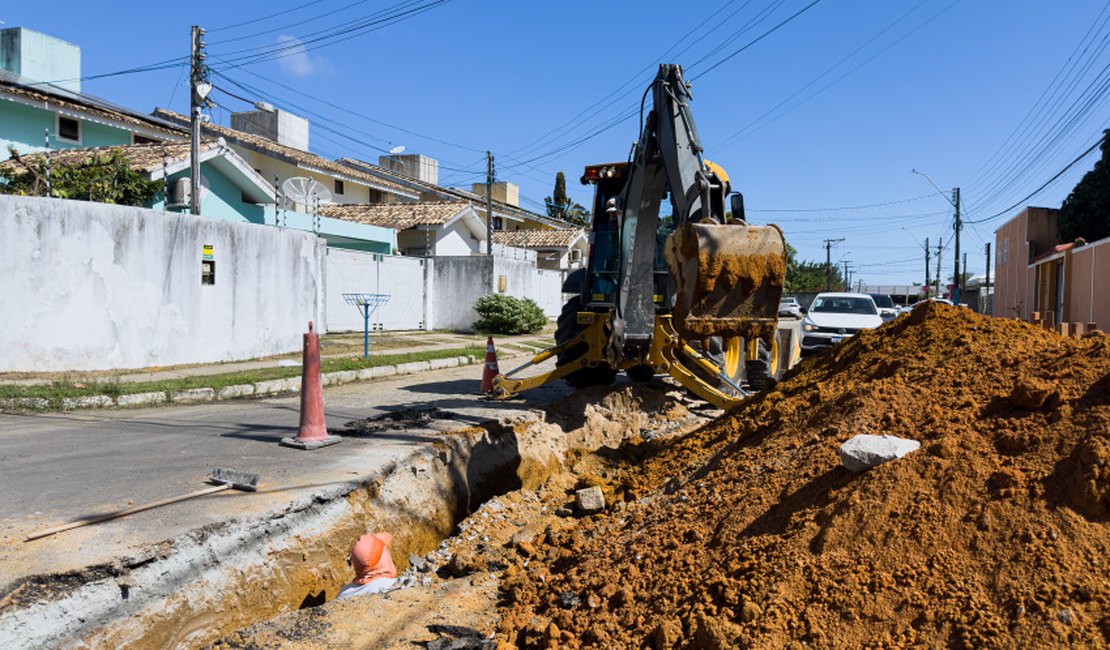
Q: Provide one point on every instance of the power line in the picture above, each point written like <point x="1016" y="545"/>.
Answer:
<point x="1046" y="183"/>
<point x="844" y="208"/>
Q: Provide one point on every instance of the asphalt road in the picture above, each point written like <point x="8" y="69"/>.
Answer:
<point x="61" y="466"/>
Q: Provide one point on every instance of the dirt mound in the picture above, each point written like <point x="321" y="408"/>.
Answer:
<point x="996" y="533"/>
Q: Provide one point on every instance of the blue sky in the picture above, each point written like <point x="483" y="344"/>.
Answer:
<point x="831" y="110"/>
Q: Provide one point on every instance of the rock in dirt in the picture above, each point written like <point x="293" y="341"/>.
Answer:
<point x="589" y="500"/>
<point x="861" y="453"/>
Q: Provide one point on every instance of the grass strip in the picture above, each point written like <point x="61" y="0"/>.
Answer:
<point x="56" y="391"/>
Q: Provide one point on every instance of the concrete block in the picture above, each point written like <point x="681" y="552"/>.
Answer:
<point x="191" y="395"/>
<point x="466" y="361"/>
<point x="589" y="500"/>
<point x="87" y="402"/>
<point x="377" y="372"/>
<point x="278" y="386"/>
<point x="339" y="377"/>
<point x="32" y="403"/>
<point x="440" y="364"/>
<point x="412" y="367"/>
<point x="235" y="391"/>
<point x="142" y="399"/>
<point x="865" y="451"/>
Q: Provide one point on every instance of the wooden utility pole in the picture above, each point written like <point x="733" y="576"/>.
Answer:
<point x="197" y="96"/>
<point x="489" y="203"/>
<point x="928" y="282"/>
<point x="957" y="278"/>
<point x="828" y="262"/>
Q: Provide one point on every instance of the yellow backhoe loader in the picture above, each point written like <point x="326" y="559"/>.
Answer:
<point x="693" y="294"/>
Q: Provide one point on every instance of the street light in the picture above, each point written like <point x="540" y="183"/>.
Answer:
<point x="955" y="204"/>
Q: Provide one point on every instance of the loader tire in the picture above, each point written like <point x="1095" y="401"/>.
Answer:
<point x="566" y="328"/>
<point x="764" y="372"/>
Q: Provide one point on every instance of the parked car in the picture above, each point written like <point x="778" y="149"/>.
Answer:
<point x="908" y="308"/>
<point x="834" y="317"/>
<point x="789" y="306"/>
<point x="885" y="305"/>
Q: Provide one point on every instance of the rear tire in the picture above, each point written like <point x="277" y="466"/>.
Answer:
<point x="764" y="372"/>
<point x="566" y="328"/>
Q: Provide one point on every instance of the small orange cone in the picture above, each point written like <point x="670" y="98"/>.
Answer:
<point x="313" y="433"/>
<point x="490" y="370"/>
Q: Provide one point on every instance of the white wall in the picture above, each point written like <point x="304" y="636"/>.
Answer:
<point x="455" y="240"/>
<point x="402" y="279"/>
<point x="90" y="286"/>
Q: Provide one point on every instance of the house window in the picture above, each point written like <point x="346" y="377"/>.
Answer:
<point x="1005" y="250"/>
<point x="69" y="129"/>
<point x="338" y="186"/>
<point x="576" y="255"/>
<point x="142" y="139"/>
<point x="498" y="223"/>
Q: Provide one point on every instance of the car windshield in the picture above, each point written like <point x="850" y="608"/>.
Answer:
<point x="844" y="305"/>
<point x="882" y="300"/>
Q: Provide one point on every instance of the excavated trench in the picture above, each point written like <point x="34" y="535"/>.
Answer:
<point x="214" y="581"/>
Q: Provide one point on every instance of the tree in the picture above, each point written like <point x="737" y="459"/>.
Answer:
<point x="807" y="277"/>
<point x="105" y="178"/>
<point x="559" y="206"/>
<point x="1086" y="211"/>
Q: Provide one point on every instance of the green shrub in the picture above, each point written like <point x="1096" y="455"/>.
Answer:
<point x="507" y="315"/>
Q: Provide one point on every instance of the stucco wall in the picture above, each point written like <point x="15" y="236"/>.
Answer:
<point x="91" y="286"/>
<point x="456" y="240"/>
<point x="23" y="127"/>
<point x="457" y="282"/>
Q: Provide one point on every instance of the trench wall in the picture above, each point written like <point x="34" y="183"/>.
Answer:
<point x="89" y="286"/>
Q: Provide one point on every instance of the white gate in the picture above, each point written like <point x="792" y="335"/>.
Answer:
<point x="399" y="278"/>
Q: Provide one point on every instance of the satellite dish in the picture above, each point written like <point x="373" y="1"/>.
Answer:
<point x="306" y="191"/>
<point x="396" y="150"/>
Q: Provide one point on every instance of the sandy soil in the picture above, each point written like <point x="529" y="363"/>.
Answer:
<point x="747" y="532"/>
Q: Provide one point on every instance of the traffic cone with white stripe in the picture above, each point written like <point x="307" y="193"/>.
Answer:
<point x="490" y="369"/>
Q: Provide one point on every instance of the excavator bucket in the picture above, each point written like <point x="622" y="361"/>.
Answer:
<point x="728" y="279"/>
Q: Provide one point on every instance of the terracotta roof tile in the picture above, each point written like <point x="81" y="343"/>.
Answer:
<point x="80" y="103"/>
<point x="143" y="157"/>
<point x="398" y="216"/>
<point x="537" y="238"/>
<point x="297" y="156"/>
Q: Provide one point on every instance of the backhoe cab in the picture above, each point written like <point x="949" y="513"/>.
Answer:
<point x="693" y="293"/>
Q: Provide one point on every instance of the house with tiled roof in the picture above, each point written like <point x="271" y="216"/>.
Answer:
<point x="441" y="228"/>
<point x="230" y="189"/>
<point x="42" y="106"/>
<point x="278" y="148"/>
<point x="419" y="173"/>
<point x="555" y="249"/>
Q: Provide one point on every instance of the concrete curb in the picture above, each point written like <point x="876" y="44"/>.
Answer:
<point x="268" y="388"/>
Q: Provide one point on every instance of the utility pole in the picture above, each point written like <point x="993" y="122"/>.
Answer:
<point x="957" y="279"/>
<point x="847" y="278"/>
<point x="198" y="98"/>
<point x="489" y="203"/>
<point x="828" y="262"/>
<point x="961" y="278"/>
<point x="988" y="266"/>
<point x="940" y="249"/>
<point x="928" y="280"/>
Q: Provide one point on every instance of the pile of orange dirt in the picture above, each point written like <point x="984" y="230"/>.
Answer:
<point x="996" y="533"/>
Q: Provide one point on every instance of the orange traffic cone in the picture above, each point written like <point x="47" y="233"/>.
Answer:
<point x="490" y="370"/>
<point x="313" y="433"/>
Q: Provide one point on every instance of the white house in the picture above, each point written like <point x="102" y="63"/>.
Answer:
<point x="423" y="229"/>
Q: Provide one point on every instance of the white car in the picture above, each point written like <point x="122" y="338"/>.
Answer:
<point x="908" y="308"/>
<point x="834" y="317"/>
<point x="789" y="306"/>
<point x="887" y="310"/>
